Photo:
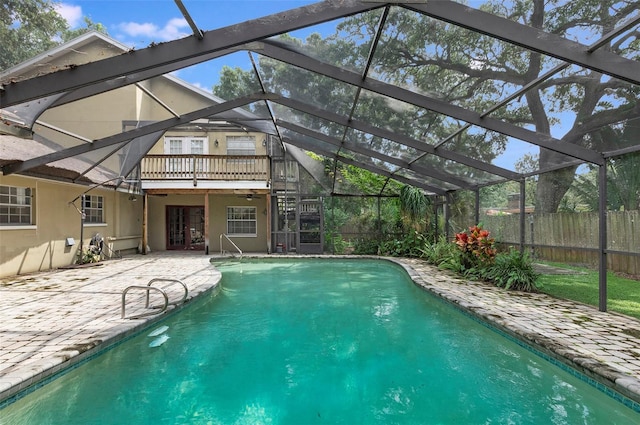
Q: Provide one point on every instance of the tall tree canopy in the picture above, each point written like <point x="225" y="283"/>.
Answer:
<point x="474" y="71"/>
<point x="30" y="27"/>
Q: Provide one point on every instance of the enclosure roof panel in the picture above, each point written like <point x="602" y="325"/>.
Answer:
<point x="436" y="94"/>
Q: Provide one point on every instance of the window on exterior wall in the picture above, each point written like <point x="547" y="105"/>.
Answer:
<point x="187" y="145"/>
<point x="15" y="205"/>
<point x="241" y="145"/>
<point x="93" y="209"/>
<point x="241" y="221"/>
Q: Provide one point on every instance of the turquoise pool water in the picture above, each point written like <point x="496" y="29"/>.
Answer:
<point x="318" y="341"/>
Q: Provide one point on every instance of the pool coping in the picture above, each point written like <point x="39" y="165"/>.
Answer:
<point x="446" y="286"/>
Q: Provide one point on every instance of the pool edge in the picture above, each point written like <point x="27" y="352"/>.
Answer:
<point x="65" y="361"/>
<point x="623" y="388"/>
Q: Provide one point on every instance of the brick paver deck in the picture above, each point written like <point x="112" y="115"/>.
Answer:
<point x="50" y="320"/>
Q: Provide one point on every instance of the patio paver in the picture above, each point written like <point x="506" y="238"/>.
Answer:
<point x="51" y="320"/>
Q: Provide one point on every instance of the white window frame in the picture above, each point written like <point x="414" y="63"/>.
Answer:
<point x="93" y="209"/>
<point x="241" y="146"/>
<point x="242" y="214"/>
<point x="18" y="202"/>
<point x="185" y="146"/>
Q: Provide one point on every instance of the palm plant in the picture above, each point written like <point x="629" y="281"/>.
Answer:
<point x="413" y="206"/>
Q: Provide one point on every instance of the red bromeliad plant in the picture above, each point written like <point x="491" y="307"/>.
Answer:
<point x="476" y="245"/>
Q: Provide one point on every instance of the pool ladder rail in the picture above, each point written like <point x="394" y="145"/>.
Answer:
<point x="222" y="251"/>
<point x="148" y="288"/>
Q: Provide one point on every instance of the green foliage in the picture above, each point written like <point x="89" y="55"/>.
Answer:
<point x="473" y="256"/>
<point x="27" y="28"/>
<point x="90" y="255"/>
<point x="478" y="250"/>
<point x="443" y="254"/>
<point x="413" y="204"/>
<point x="361" y="180"/>
<point x="513" y="270"/>
<point x="623" y="185"/>
<point x="335" y="244"/>
<point x="70" y="34"/>
<point x="30" y="27"/>
<point x="235" y="82"/>
<point x="366" y="246"/>
<point x="410" y="245"/>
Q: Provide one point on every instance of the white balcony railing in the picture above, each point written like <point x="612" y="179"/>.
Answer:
<point x="204" y="167"/>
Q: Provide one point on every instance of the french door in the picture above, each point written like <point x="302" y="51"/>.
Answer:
<point x="185" y="227"/>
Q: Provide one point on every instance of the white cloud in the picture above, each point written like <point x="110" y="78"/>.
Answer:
<point x="134" y="29"/>
<point x="170" y="31"/>
<point x="72" y="14"/>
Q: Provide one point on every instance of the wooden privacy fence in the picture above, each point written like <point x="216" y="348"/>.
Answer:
<point x="573" y="237"/>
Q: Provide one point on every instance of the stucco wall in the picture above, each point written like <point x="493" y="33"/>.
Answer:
<point x="157" y="223"/>
<point x="42" y="246"/>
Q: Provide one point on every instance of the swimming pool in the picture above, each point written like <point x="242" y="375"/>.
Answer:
<point x="313" y="341"/>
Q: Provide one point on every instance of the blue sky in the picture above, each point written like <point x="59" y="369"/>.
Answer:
<point x="137" y="23"/>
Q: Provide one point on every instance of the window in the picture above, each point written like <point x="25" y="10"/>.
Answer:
<point x="93" y="209"/>
<point x="174" y="145"/>
<point x="15" y="205"/>
<point x="189" y="145"/>
<point x="241" y="221"/>
<point x="241" y="145"/>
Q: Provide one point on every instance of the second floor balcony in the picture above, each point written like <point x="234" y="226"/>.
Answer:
<point x="205" y="167"/>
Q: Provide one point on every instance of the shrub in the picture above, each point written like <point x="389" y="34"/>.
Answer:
<point x="443" y="254"/>
<point x="478" y="251"/>
<point x="365" y="246"/>
<point x="335" y="244"/>
<point x="91" y="255"/>
<point x="476" y="245"/>
<point x="513" y="270"/>
<point x="410" y="246"/>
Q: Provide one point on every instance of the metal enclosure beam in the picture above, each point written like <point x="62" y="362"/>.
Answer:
<point x="530" y="38"/>
<point x="374" y="154"/>
<point x="131" y="134"/>
<point x="178" y="50"/>
<point x="285" y="53"/>
<point x="396" y="137"/>
<point x="521" y="205"/>
<point x="370" y="167"/>
<point x="602" y="237"/>
<point x="477" y="206"/>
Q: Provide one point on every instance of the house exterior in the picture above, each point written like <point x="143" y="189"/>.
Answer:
<point x="201" y="186"/>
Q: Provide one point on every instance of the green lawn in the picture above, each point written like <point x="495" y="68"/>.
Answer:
<point x="623" y="295"/>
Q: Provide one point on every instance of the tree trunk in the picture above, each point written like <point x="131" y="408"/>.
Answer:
<point x="553" y="185"/>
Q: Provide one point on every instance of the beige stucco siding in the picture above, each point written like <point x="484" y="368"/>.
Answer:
<point x="157" y="222"/>
<point x="42" y="245"/>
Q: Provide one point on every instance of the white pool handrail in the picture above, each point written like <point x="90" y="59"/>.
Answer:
<point x="232" y="243"/>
